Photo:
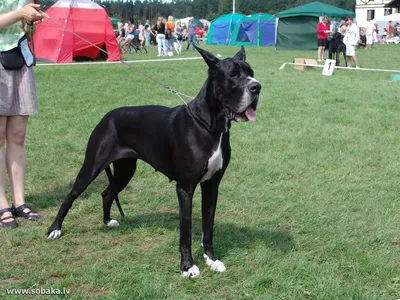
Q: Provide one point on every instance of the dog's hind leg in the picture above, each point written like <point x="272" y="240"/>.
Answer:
<point x="84" y="178"/>
<point x="98" y="156"/>
<point x="124" y="169"/>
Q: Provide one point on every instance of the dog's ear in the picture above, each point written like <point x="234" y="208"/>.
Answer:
<point x="241" y="55"/>
<point x="210" y="59"/>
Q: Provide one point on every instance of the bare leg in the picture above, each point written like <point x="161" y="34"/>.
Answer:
<point x="3" y="200"/>
<point x="355" y="60"/>
<point x="16" y="157"/>
<point x="348" y="58"/>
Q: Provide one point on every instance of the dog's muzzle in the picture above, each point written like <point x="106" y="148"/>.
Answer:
<point x="249" y="114"/>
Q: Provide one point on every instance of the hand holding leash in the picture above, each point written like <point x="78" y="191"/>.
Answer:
<point x="32" y="14"/>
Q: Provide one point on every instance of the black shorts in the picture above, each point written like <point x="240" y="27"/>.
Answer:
<point x="322" y="42"/>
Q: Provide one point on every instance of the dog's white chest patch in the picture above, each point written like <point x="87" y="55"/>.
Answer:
<point x="214" y="162"/>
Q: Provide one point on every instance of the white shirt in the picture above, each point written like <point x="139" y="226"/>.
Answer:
<point x="370" y="27"/>
<point x="352" y="35"/>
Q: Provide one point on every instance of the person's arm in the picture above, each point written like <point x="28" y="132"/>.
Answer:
<point x="357" y="36"/>
<point x="30" y="12"/>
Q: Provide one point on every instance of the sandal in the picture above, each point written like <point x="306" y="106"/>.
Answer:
<point x="31" y="215"/>
<point x="11" y="224"/>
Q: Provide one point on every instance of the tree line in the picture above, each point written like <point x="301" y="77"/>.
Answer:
<point x="207" y="9"/>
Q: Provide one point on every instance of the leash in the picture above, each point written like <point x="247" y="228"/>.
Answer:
<point x="33" y="44"/>
<point x="174" y="91"/>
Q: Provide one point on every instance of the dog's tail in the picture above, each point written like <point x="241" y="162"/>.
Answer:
<point x="114" y="189"/>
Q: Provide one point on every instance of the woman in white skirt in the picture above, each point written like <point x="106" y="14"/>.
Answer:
<point x="17" y="102"/>
<point x="351" y="40"/>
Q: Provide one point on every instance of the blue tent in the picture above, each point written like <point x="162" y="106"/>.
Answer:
<point x="221" y="29"/>
<point x="255" y="30"/>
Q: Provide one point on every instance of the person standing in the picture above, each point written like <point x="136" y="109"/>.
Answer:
<point x="389" y="29"/>
<point x="191" y="34"/>
<point x="18" y="101"/>
<point x="171" y="27"/>
<point x="147" y="33"/>
<point x="323" y="30"/>
<point x="160" y="37"/>
<point x="129" y="34"/>
<point x="179" y="37"/>
<point x="369" y="34"/>
<point x="351" y="40"/>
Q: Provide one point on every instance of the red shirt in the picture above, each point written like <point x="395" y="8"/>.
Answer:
<point x="199" y="31"/>
<point x="321" y="28"/>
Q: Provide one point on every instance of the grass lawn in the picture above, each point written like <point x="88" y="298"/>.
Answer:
<point x="308" y="208"/>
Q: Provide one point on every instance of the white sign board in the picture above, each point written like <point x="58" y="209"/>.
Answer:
<point x="329" y="67"/>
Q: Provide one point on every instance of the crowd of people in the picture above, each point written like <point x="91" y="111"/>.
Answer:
<point x="353" y="36"/>
<point x="166" y="34"/>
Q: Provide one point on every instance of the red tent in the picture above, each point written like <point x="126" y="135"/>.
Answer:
<point x="83" y="17"/>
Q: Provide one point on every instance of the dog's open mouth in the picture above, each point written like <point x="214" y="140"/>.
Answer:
<point x="248" y="115"/>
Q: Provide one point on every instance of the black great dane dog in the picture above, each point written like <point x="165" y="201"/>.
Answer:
<point x="336" y="46"/>
<point x="189" y="144"/>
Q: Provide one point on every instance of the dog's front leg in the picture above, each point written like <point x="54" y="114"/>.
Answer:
<point x="330" y="52"/>
<point x="185" y="196"/>
<point x="209" y="193"/>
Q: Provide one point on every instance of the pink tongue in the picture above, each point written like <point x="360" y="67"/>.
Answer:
<point x="250" y="114"/>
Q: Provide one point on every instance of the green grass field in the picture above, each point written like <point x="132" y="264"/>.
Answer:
<point x="308" y="208"/>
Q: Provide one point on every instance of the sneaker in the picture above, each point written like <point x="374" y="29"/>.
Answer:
<point x="357" y="67"/>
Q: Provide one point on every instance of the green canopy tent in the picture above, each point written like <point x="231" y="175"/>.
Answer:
<point x="221" y="29"/>
<point x="297" y="27"/>
<point x="115" y="21"/>
<point x="255" y="30"/>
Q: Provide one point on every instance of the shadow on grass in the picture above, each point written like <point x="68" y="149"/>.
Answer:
<point x="226" y="235"/>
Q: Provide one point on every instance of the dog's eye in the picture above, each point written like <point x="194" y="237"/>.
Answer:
<point x="233" y="73"/>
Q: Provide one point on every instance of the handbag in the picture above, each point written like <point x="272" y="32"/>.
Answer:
<point x="13" y="58"/>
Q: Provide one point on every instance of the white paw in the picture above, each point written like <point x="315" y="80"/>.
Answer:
<point x="113" y="223"/>
<point x="192" y="272"/>
<point x="55" y="234"/>
<point x="217" y="265"/>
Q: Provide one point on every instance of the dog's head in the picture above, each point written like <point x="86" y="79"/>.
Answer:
<point x="337" y="36"/>
<point x="234" y="84"/>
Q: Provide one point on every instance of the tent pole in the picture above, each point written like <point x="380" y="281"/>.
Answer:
<point x="258" y="31"/>
<point x="233" y="6"/>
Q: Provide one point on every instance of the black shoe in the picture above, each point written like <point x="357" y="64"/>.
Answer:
<point x="11" y="224"/>
<point x="31" y="215"/>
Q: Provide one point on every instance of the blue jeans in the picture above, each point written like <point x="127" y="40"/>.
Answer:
<point x="191" y="40"/>
<point x="147" y="38"/>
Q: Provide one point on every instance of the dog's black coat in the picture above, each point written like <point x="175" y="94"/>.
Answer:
<point x="336" y="46"/>
<point x="178" y="142"/>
